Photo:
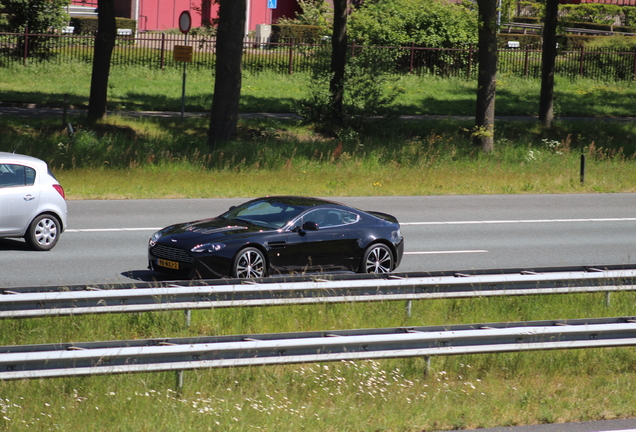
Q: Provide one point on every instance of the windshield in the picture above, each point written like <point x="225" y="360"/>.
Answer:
<point x="271" y="214"/>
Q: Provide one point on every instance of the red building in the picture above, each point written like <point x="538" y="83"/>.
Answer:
<point x="164" y="14"/>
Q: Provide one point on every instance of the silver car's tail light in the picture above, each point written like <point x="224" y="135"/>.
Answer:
<point x="60" y="190"/>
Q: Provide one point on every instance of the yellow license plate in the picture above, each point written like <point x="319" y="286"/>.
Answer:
<point x="170" y="264"/>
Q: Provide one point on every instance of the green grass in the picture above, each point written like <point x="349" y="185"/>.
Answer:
<point x="158" y="158"/>
<point x="138" y="88"/>
<point x="164" y="158"/>
<point x="465" y="391"/>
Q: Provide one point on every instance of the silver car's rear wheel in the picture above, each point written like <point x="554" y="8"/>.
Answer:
<point x="43" y="233"/>
<point x="377" y="259"/>
<point x="249" y="263"/>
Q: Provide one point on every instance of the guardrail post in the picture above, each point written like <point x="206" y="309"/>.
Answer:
<point x="608" y="296"/>
<point x="408" y="308"/>
<point x="188" y="315"/>
<point x="179" y="384"/>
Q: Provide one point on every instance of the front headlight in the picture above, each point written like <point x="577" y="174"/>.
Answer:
<point x="208" y="247"/>
<point x="397" y="235"/>
<point x="154" y="238"/>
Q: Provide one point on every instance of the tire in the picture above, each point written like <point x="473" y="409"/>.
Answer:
<point x="378" y="258"/>
<point x="249" y="263"/>
<point x="43" y="233"/>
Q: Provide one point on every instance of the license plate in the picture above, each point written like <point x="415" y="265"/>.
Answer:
<point x="170" y="264"/>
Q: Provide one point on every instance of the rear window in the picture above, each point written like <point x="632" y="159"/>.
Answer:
<point x="12" y="175"/>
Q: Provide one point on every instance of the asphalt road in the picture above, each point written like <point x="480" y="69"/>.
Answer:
<point x="106" y="240"/>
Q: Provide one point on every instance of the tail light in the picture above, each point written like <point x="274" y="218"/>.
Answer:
<point x="60" y="189"/>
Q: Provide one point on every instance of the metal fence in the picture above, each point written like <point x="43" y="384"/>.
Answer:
<point x="179" y="354"/>
<point x="297" y="290"/>
<point x="290" y="56"/>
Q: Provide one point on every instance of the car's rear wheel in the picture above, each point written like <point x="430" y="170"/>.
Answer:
<point x="378" y="258"/>
<point x="249" y="263"/>
<point x="43" y="233"/>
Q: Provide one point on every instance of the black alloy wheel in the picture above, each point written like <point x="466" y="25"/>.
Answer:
<point x="378" y="258"/>
<point x="249" y="263"/>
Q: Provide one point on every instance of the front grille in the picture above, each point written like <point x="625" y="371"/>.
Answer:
<point x="171" y="253"/>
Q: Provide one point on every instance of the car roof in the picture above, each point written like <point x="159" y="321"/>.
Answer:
<point x="6" y="157"/>
<point x="299" y="201"/>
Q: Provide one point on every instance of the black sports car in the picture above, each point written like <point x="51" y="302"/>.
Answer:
<point x="279" y="234"/>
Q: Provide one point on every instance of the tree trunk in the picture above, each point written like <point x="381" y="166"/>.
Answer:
<point x="338" y="57"/>
<point x="227" y="80"/>
<point x="104" y="44"/>
<point x="546" y="102"/>
<point x="487" y="75"/>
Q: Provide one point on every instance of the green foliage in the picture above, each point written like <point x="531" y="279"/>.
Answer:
<point x="88" y="25"/>
<point x="591" y="12"/>
<point x="424" y="22"/>
<point x="368" y="94"/>
<point x="299" y="33"/>
<point x="39" y="16"/>
<point x="618" y="42"/>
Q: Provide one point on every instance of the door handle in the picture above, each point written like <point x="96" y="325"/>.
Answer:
<point x="29" y="197"/>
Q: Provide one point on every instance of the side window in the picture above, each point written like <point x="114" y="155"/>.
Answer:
<point x="29" y="176"/>
<point x="326" y="218"/>
<point x="16" y="175"/>
<point x="349" y="218"/>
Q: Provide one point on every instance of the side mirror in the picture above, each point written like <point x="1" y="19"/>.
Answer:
<point x="310" y="226"/>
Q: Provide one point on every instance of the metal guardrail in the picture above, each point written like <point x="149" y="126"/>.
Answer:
<point x="95" y="299"/>
<point x="153" y="355"/>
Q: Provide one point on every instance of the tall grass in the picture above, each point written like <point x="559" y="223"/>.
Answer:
<point x="164" y="158"/>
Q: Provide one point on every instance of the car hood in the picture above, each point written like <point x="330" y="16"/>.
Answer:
<point x="214" y="228"/>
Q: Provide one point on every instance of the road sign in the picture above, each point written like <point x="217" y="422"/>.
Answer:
<point x="271" y="4"/>
<point x="183" y="53"/>
<point x="185" y="22"/>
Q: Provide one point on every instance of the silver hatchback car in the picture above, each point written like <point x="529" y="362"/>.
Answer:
<point x="32" y="202"/>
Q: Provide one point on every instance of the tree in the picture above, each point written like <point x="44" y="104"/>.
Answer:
<point x="546" y="101"/>
<point x="338" y="56"/>
<point x="430" y="23"/>
<point x="39" y="17"/>
<point x="487" y="75"/>
<point x="228" y="69"/>
<point x="104" y="44"/>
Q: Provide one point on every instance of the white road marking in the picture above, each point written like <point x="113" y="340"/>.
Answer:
<point x="519" y="221"/>
<point x="446" y="252"/>
<point x="110" y="229"/>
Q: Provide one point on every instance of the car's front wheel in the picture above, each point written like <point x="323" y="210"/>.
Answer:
<point x="43" y="233"/>
<point x="378" y="258"/>
<point x="249" y="263"/>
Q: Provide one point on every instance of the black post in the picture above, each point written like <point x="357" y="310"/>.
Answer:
<point x="582" y="169"/>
